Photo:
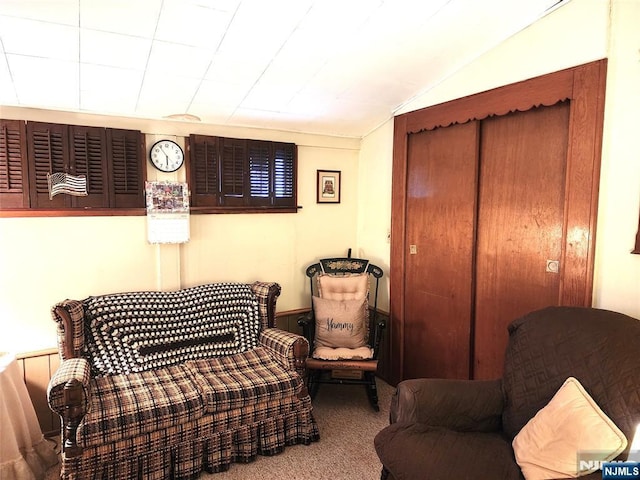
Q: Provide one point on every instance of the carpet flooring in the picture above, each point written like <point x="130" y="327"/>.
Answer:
<point x="345" y="450"/>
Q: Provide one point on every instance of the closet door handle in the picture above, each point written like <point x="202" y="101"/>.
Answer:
<point x="553" y="266"/>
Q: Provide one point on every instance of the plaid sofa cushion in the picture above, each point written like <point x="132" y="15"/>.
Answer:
<point x="138" y="331"/>
<point x="124" y="406"/>
<point x="243" y="379"/>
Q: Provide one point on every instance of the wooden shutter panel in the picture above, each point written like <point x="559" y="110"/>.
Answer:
<point x="203" y="170"/>
<point x="285" y="166"/>
<point x="89" y="158"/>
<point x="234" y="159"/>
<point x="48" y="150"/>
<point x="260" y="173"/>
<point x="14" y="180"/>
<point x="125" y="153"/>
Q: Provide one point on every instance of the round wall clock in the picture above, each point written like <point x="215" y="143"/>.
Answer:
<point x="166" y="156"/>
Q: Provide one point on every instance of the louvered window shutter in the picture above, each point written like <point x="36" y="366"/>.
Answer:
<point x="48" y="147"/>
<point x="125" y="153"/>
<point x="14" y="181"/>
<point x="234" y="158"/>
<point x="89" y="158"/>
<point x="260" y="173"/>
<point x="284" y="174"/>
<point x="203" y="171"/>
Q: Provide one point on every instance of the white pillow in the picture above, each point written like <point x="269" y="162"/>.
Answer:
<point x="548" y="445"/>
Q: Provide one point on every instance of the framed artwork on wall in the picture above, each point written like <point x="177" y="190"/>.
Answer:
<point x="328" y="186"/>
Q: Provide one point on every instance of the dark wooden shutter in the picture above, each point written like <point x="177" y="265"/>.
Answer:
<point x="260" y="173"/>
<point x="89" y="158"/>
<point x="48" y="147"/>
<point x="125" y="154"/>
<point x="234" y="166"/>
<point x="284" y="174"/>
<point x="203" y="171"/>
<point x="231" y="172"/>
<point x="14" y="180"/>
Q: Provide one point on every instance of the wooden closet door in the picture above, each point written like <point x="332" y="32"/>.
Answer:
<point x="520" y="224"/>
<point x="441" y="204"/>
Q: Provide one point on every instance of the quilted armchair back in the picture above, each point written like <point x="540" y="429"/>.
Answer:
<point x="598" y="347"/>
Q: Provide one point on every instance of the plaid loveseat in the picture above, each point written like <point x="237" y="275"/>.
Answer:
<point x="160" y="385"/>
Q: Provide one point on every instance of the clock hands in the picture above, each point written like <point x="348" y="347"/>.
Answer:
<point x="173" y="155"/>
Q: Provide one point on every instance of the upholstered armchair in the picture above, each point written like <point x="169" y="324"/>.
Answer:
<point x="570" y="392"/>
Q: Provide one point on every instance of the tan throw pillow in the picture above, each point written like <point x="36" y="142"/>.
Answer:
<point x="340" y="323"/>
<point x="572" y="422"/>
<point x="350" y="287"/>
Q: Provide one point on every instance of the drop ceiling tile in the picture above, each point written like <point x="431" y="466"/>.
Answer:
<point x="45" y="82"/>
<point x="166" y="95"/>
<point x="39" y="39"/>
<point x="137" y="18"/>
<point x="236" y="70"/>
<point x="192" y="24"/>
<point x="219" y="94"/>
<point x="261" y="28"/>
<point x="220" y="5"/>
<point x="171" y="59"/>
<point x="114" y="49"/>
<point x="7" y="92"/>
<point x="214" y="114"/>
<point x="60" y="11"/>
<point x="109" y="89"/>
<point x="270" y="98"/>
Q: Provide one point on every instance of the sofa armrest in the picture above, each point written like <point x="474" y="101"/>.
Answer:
<point x="289" y="349"/>
<point x="462" y="405"/>
<point x="68" y="395"/>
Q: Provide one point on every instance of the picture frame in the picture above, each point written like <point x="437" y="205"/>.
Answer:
<point x="328" y="186"/>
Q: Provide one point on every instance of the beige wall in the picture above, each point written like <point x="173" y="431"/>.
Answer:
<point x="45" y="260"/>
<point x="579" y="32"/>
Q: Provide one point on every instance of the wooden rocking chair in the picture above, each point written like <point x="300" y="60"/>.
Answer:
<point x="344" y="333"/>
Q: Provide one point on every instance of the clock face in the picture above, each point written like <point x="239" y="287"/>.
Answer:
<point x="166" y="156"/>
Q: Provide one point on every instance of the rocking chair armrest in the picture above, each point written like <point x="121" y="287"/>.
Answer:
<point x="289" y="349"/>
<point x="462" y="405"/>
<point x="307" y="322"/>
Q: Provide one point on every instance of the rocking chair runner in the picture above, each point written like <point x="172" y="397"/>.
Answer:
<point x="344" y="334"/>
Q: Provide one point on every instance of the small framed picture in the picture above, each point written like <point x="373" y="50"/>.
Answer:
<point x="328" y="186"/>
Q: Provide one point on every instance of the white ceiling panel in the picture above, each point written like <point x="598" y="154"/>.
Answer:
<point x="109" y="89"/>
<point x="64" y="12"/>
<point x="39" y="39"/>
<point x="135" y="18"/>
<point x="192" y="24"/>
<point x="114" y="49"/>
<point x="337" y="67"/>
<point x="49" y="83"/>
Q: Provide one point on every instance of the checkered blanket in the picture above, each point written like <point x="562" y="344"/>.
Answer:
<point x="139" y="331"/>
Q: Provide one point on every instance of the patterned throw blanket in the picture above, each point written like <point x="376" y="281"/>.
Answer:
<point x="138" y="331"/>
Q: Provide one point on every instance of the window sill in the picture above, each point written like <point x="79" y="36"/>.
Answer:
<point x="218" y="210"/>
<point x="75" y="212"/>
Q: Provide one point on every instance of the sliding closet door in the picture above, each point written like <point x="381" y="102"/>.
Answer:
<point x="441" y="203"/>
<point x="520" y="224"/>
